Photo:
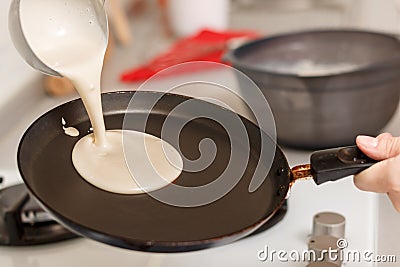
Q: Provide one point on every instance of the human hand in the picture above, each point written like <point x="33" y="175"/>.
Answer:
<point x="384" y="176"/>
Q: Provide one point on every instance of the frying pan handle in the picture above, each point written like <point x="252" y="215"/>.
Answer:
<point x="334" y="164"/>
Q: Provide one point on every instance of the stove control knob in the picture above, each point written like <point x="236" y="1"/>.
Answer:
<point x="329" y="223"/>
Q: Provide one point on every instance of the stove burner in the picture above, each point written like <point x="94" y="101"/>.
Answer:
<point x="23" y="222"/>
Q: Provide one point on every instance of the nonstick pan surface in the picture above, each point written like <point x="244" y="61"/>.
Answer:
<point x="141" y="222"/>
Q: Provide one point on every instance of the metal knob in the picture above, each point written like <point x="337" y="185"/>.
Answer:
<point x="329" y="223"/>
<point x="326" y="249"/>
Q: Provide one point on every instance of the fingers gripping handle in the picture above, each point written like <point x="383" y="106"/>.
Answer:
<point x="334" y="164"/>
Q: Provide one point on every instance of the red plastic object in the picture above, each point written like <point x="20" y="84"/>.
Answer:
<point x="207" y="45"/>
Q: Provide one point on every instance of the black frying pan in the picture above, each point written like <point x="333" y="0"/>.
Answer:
<point x="140" y="222"/>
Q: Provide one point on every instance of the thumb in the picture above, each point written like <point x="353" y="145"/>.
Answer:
<point x="382" y="147"/>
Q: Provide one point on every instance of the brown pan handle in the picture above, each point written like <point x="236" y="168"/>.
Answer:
<point x="333" y="164"/>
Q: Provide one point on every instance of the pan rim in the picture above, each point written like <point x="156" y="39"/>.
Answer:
<point x="233" y="58"/>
